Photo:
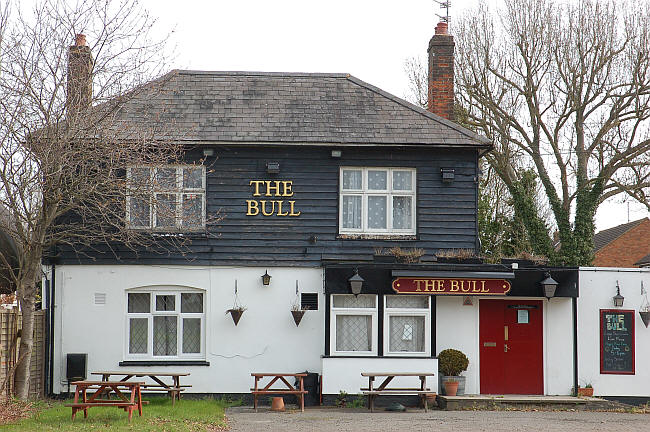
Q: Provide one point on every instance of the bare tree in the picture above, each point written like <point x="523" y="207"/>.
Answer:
<point x="562" y="88"/>
<point x="64" y="141"/>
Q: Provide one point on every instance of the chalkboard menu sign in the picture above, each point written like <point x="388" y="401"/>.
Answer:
<point x="616" y="341"/>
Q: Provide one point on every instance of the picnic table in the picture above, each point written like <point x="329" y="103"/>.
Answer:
<point x="128" y="404"/>
<point x="173" y="389"/>
<point x="299" y="390"/>
<point x="372" y="392"/>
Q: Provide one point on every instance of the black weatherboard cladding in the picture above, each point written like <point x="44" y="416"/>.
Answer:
<point x="446" y="213"/>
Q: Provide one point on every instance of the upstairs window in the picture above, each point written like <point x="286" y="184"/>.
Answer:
<point x="166" y="197"/>
<point x="377" y="201"/>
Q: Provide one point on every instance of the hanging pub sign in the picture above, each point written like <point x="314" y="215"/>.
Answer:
<point x="445" y="286"/>
<point x="616" y="341"/>
<point x="274" y="198"/>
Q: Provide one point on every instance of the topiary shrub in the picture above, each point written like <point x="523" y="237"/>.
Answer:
<point x="452" y="362"/>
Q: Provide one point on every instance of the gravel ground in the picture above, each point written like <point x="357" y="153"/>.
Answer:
<point x="244" y="419"/>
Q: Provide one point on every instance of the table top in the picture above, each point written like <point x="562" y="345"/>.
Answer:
<point x="107" y="383"/>
<point x="396" y="374"/>
<point x="279" y="374"/>
<point x="140" y="373"/>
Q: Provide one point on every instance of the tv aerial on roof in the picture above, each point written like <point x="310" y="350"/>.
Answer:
<point x="444" y="4"/>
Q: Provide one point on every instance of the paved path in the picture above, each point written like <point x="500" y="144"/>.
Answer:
<point x="244" y="419"/>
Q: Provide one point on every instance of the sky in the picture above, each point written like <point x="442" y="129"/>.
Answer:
<point x="370" y="39"/>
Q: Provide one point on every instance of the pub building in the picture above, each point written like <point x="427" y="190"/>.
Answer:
<point x="324" y="185"/>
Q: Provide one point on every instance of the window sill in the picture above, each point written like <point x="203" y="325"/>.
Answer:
<point x="409" y="237"/>
<point x="164" y="363"/>
<point x="333" y="356"/>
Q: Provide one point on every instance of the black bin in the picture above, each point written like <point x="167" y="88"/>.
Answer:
<point x="312" y="385"/>
<point x="76" y="367"/>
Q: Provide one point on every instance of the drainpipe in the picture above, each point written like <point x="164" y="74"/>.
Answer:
<point x="50" y="325"/>
<point x="574" y="304"/>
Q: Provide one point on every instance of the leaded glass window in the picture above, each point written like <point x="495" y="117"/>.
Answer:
<point x="407" y="325"/>
<point x="354" y="324"/>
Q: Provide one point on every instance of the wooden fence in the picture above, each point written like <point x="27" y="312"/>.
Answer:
<point x="10" y="323"/>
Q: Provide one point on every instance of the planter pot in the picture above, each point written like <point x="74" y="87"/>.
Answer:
<point x="390" y="259"/>
<point x="461" y="383"/>
<point x="451" y="388"/>
<point x="297" y="316"/>
<point x="450" y="260"/>
<point x="277" y="404"/>
<point x="432" y="400"/>
<point x="585" y="391"/>
<point x="645" y="316"/>
<point x="235" y="314"/>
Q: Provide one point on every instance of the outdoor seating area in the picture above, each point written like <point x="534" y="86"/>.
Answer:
<point x="173" y="389"/>
<point x="298" y="390"/>
<point x="383" y="389"/>
<point x="101" y="396"/>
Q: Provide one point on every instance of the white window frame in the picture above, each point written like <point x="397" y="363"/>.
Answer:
<point x="426" y="313"/>
<point x="335" y="312"/>
<point x="178" y="191"/>
<point x="153" y="292"/>
<point x="389" y="193"/>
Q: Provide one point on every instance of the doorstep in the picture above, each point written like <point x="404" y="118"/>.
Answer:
<point x="467" y="402"/>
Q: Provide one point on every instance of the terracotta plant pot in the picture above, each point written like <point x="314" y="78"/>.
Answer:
<point x="235" y="314"/>
<point x="277" y="404"/>
<point x="585" y="391"/>
<point x="645" y="316"/>
<point x="451" y="387"/>
<point x="297" y="316"/>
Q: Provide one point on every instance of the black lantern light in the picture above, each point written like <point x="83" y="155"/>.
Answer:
<point x="618" y="298"/>
<point x="548" y="285"/>
<point x="356" y="282"/>
<point x="266" y="278"/>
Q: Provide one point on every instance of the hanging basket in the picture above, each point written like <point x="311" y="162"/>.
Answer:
<point x="645" y="316"/>
<point x="297" y="316"/>
<point x="235" y="314"/>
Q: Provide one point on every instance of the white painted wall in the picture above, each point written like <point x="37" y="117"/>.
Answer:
<point x="344" y="374"/>
<point x="265" y="340"/>
<point x="597" y="287"/>
<point x="457" y="326"/>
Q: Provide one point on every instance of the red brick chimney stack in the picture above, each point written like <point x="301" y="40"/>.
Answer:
<point x="80" y="83"/>
<point x="441" y="73"/>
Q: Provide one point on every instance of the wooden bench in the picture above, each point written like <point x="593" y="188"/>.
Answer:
<point x="104" y="388"/>
<point x="299" y="391"/>
<point x="422" y="391"/>
<point x="173" y="390"/>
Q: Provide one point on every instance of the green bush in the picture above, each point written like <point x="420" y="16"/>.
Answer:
<point x="452" y="362"/>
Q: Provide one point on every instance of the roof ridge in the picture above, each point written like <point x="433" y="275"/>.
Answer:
<point x="267" y="74"/>
<point x="625" y="227"/>
<point x="421" y="110"/>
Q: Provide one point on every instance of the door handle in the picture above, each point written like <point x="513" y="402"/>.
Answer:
<point x="505" y="347"/>
<point x="505" y="332"/>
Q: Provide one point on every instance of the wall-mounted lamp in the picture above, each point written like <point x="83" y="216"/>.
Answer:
<point x="447" y="175"/>
<point x="266" y="278"/>
<point x="273" y="167"/>
<point x="337" y="153"/>
<point x="356" y="282"/>
<point x="548" y="285"/>
<point x="208" y="152"/>
<point x="618" y="298"/>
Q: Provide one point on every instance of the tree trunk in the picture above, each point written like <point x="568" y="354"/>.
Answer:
<point x="21" y="377"/>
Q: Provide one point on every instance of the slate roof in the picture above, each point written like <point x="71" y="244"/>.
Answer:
<point x="258" y="107"/>
<point x="603" y="238"/>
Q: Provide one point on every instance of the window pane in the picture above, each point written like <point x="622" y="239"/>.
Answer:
<point x="192" y="214"/>
<point x="139" y="212"/>
<point x="165" y="303"/>
<point x="353" y="333"/>
<point x="403" y="180"/>
<point x="377" y="212"/>
<point x="191" y="335"/>
<point x="139" y="303"/>
<point x="164" y="335"/>
<point x="351" y="301"/>
<point x="377" y="180"/>
<point x="165" y="178"/>
<point x="402" y="212"/>
<point x="140" y="178"/>
<point x="352" y="179"/>
<point x="192" y="302"/>
<point x="138" y="335"/>
<point x="351" y="211"/>
<point x="193" y="178"/>
<point x="406" y="301"/>
<point x="165" y="210"/>
<point x="406" y="334"/>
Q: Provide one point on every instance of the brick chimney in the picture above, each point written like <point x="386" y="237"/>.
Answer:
<point x="441" y="73"/>
<point x="80" y="83"/>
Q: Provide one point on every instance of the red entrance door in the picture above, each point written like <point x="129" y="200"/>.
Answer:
<point x="511" y="347"/>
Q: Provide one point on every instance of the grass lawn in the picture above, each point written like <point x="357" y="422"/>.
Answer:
<point x="158" y="415"/>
